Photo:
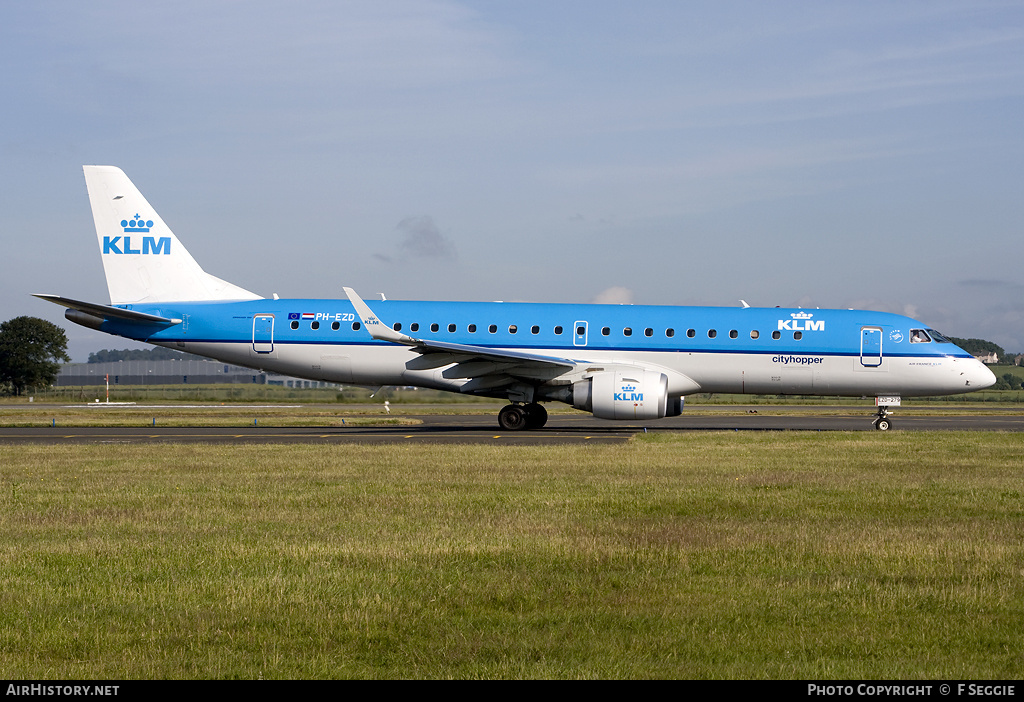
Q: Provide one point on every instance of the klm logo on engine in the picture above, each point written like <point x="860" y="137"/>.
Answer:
<point x="628" y="394"/>
<point x="802" y="321"/>
<point x="149" y="245"/>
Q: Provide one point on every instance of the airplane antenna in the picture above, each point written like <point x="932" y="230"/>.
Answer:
<point x="744" y="303"/>
<point x="382" y="298"/>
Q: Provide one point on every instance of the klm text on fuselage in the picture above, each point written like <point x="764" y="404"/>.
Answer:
<point x="802" y="325"/>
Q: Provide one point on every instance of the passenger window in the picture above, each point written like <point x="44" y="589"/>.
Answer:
<point x="471" y="329"/>
<point x="355" y="326"/>
<point x="628" y="331"/>
<point x="451" y="328"/>
<point x="295" y="325"/>
<point x="670" y="332"/>
<point x="493" y="328"/>
<point x="919" y="336"/>
<point x="754" y="333"/>
<point x="397" y="326"/>
<point x="314" y="325"/>
<point x="691" y="333"/>
<point x="798" y="335"/>
<point x="712" y="333"/>
<point x="558" y="330"/>
<point x="776" y="334"/>
<point x="512" y="329"/>
<point x="605" y="331"/>
<point x="337" y="325"/>
<point x="415" y="326"/>
<point x="535" y="329"/>
<point x="733" y="334"/>
<point x="648" y="332"/>
<point x="434" y="327"/>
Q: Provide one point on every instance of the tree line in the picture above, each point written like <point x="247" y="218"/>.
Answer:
<point x="158" y="353"/>
<point x="31" y="353"/>
<point x="979" y="347"/>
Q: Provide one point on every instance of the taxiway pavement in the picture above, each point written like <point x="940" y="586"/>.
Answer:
<point x="484" y="429"/>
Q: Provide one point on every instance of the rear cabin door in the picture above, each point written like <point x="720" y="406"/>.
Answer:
<point x="263" y="333"/>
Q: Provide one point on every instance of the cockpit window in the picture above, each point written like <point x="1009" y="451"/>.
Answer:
<point x="919" y="336"/>
<point x="938" y="338"/>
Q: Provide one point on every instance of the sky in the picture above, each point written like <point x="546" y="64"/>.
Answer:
<point x="815" y="154"/>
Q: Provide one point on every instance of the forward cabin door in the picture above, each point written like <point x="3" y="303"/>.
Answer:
<point x="870" y="347"/>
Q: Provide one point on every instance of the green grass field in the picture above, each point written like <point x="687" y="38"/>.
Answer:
<point x="704" y="555"/>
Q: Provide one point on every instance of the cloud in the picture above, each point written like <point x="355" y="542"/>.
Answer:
<point x="424" y="240"/>
<point x="616" y="295"/>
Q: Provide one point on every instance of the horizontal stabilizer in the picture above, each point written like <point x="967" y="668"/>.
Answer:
<point x="106" y="312"/>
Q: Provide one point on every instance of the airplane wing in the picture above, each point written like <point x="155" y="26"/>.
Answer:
<point x="487" y="368"/>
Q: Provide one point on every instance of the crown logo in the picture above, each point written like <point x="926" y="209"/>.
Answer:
<point x="801" y="315"/>
<point x="628" y="388"/>
<point x="136" y="224"/>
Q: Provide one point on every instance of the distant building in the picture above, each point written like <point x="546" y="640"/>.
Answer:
<point x="992" y="357"/>
<point x="175" y="372"/>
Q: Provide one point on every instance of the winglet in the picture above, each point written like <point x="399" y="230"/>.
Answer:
<point x="378" y="330"/>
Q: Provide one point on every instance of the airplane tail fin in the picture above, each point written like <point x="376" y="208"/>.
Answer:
<point x="142" y="259"/>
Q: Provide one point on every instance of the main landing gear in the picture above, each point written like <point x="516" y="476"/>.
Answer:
<point x="882" y="421"/>
<point x="517" y="417"/>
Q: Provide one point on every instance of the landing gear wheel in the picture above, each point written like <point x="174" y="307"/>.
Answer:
<point x="536" y="415"/>
<point x="512" y="418"/>
<point x="882" y="421"/>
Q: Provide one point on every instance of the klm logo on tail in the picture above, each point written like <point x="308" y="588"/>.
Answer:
<point x="136" y="224"/>
<point x="150" y="244"/>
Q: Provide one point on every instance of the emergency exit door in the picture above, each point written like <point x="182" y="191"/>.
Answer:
<point x="580" y="336"/>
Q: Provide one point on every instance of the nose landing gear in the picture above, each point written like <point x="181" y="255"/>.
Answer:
<point x="882" y="421"/>
<point x="884" y="402"/>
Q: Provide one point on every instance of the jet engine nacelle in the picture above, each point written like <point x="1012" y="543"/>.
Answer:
<point x="626" y="394"/>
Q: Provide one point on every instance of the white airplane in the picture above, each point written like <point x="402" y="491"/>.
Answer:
<point x="632" y="362"/>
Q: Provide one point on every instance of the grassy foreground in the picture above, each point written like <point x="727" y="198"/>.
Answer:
<point x="721" y="555"/>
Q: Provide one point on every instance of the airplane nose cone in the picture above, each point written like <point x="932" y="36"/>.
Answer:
<point x="977" y="376"/>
